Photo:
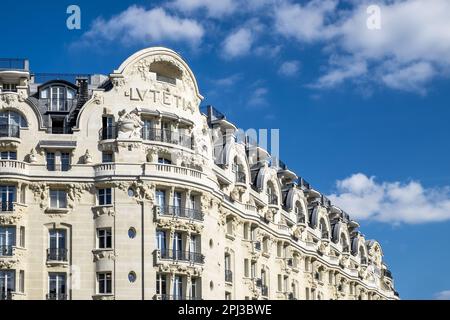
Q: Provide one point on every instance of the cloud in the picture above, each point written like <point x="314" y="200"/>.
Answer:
<point x="258" y="98"/>
<point x="213" y="8"/>
<point x="443" y="295"/>
<point x="413" y="43"/>
<point x="136" y="25"/>
<point x="339" y="72"/>
<point x="391" y="202"/>
<point x="227" y="81"/>
<point x="289" y="68"/>
<point x="238" y="43"/>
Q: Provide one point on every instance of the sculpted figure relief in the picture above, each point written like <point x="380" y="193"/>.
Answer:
<point x="130" y="124"/>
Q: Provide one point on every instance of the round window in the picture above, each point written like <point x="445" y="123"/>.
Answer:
<point x="132" y="233"/>
<point x="130" y="192"/>
<point x="132" y="276"/>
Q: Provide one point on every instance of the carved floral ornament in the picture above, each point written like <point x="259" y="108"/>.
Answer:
<point x="142" y="191"/>
<point x="103" y="254"/>
<point x="187" y="270"/>
<point x="181" y="225"/>
<point x="74" y="192"/>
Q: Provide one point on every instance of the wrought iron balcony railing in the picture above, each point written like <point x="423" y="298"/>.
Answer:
<point x="175" y="297"/>
<point x="167" y="136"/>
<point x="56" y="296"/>
<point x="179" y="255"/>
<point x="9" y="131"/>
<point x="7" y="206"/>
<point x="57" y="254"/>
<point x="180" y="212"/>
<point x="6" y="250"/>
<point x="6" y="295"/>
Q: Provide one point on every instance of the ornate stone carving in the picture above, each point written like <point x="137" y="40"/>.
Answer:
<point x="40" y="192"/>
<point x="103" y="210"/>
<point x="178" y="268"/>
<point x="181" y="225"/>
<point x="130" y="124"/>
<point x="76" y="190"/>
<point x="8" y="263"/>
<point x="97" y="98"/>
<point x="104" y="254"/>
<point x="143" y="191"/>
<point x="32" y="156"/>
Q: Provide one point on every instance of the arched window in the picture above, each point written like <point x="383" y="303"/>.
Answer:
<point x="271" y="194"/>
<point x="323" y="229"/>
<point x="58" y="97"/>
<point x="10" y="124"/>
<point x="344" y="243"/>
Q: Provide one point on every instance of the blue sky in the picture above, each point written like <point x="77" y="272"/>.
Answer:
<point x="363" y="113"/>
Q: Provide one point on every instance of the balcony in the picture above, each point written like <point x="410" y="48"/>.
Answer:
<point x="167" y="136"/>
<point x="56" y="296"/>
<point x="57" y="255"/>
<point x="179" y="212"/>
<point x="58" y="167"/>
<point x="6" y="207"/>
<point x="9" y="131"/>
<point x="182" y="256"/>
<point x="228" y="276"/>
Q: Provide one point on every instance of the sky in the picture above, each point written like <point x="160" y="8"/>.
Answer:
<point x="358" y="89"/>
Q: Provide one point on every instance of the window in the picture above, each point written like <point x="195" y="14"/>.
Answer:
<point x="59" y="98"/>
<point x="51" y="161"/>
<point x="227" y="296"/>
<point x="147" y="130"/>
<point x="8" y="155"/>
<point x="280" y="283"/>
<point x="7" y="240"/>
<point x="104" y="238"/>
<point x="177" y="287"/>
<point x="177" y="245"/>
<point x="22" y="281"/>
<point x="107" y="157"/>
<point x="65" y="161"/>
<point x="9" y="87"/>
<point x="13" y="121"/>
<point x="161" y="285"/>
<point x="307" y="293"/>
<point x="57" y="286"/>
<point x="7" y="198"/>
<point x="164" y="161"/>
<point x="8" y="283"/>
<point x="246" y="267"/>
<point x="253" y="270"/>
<point x="108" y="131"/>
<point x="104" y="196"/>
<point x="104" y="283"/>
<point x="58" y="199"/>
<point x="161" y="200"/>
<point x="57" y="245"/>
<point x="22" y="237"/>
<point x="195" y="293"/>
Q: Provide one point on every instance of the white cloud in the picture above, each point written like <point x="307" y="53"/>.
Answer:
<point x="227" y="81"/>
<point x="289" y="68"/>
<point x="413" y="43"/>
<point x="391" y="202"/>
<point x="411" y="78"/>
<point x="238" y="43"/>
<point x="214" y="8"/>
<point x="258" y="98"/>
<point x="443" y="295"/>
<point x="345" y="69"/>
<point x="137" y="25"/>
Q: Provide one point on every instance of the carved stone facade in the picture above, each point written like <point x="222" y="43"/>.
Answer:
<point x="145" y="208"/>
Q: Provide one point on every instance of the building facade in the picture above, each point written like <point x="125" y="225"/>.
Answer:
<point x="119" y="187"/>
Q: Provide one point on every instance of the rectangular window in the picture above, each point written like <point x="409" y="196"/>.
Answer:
<point x="65" y="161"/>
<point x="161" y="200"/>
<point x="108" y="131"/>
<point x="22" y="281"/>
<point x="246" y="267"/>
<point x="8" y="155"/>
<point x="58" y="199"/>
<point x="104" y="283"/>
<point x="8" y="283"/>
<point x="307" y="293"/>
<point x="22" y="237"/>
<point x="107" y="157"/>
<point x="104" y="238"/>
<point x="104" y="196"/>
<point x="195" y="288"/>
<point x="227" y="296"/>
<point x="280" y="283"/>
<point x="7" y="198"/>
<point x="57" y="286"/>
<point x="161" y="285"/>
<point x="164" y="161"/>
<point x="50" y="161"/>
<point x="7" y="240"/>
<point x="253" y="270"/>
<point x="161" y="242"/>
<point x="177" y="203"/>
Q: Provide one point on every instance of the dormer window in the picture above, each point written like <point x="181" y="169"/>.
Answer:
<point x="9" y="87"/>
<point x="58" y="98"/>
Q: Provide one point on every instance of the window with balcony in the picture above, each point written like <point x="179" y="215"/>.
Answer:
<point x="58" y="199"/>
<point x="162" y="160"/>
<point x="228" y="272"/>
<point x="7" y="240"/>
<point x="177" y="287"/>
<point x="8" y="155"/>
<point x="57" y="286"/>
<point x="161" y="200"/>
<point x="161" y="241"/>
<point x="104" y="196"/>
<point x="104" y="238"/>
<point x="7" y="284"/>
<point x="177" y="203"/>
<point x="7" y="198"/>
<point x="104" y="280"/>
<point x="57" y="250"/>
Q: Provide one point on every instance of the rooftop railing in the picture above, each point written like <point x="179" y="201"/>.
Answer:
<point x="69" y="77"/>
<point x="13" y="64"/>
